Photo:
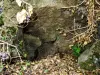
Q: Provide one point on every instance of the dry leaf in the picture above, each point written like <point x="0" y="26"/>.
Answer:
<point x="19" y="2"/>
<point x="70" y="46"/>
<point x="21" y="16"/>
<point x="85" y="43"/>
<point x="98" y="18"/>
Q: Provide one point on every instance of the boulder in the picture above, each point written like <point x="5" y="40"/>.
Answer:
<point x="90" y="58"/>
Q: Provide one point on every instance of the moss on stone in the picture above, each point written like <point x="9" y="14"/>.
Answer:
<point x="88" y="65"/>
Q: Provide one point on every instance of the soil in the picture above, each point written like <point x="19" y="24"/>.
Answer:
<point x="60" y="64"/>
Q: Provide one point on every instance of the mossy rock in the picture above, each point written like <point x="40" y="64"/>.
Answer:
<point x="88" y="65"/>
<point x="90" y="58"/>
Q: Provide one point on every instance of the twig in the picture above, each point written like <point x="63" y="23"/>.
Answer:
<point x="75" y="5"/>
<point x="97" y="2"/>
<point x="77" y="36"/>
<point x="14" y="47"/>
<point x="19" y="54"/>
<point x="26" y="3"/>
<point x="15" y="57"/>
<point x="77" y="29"/>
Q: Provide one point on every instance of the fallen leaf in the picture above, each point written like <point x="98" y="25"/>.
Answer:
<point x="21" y="16"/>
<point x="19" y="2"/>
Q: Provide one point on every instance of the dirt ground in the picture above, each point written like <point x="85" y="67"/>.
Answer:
<point x="60" y="64"/>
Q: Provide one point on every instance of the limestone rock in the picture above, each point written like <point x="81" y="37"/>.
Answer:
<point x="85" y="55"/>
<point x="90" y="58"/>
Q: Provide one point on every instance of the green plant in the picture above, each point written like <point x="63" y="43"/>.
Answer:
<point x="3" y="38"/>
<point x="24" y="67"/>
<point x="21" y="44"/>
<point x="76" y="49"/>
<point x="20" y="73"/>
<point x="1" y="67"/>
<point x="11" y="30"/>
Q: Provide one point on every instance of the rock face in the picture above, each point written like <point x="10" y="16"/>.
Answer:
<point x="52" y="3"/>
<point x="48" y="31"/>
<point x="11" y="8"/>
<point x="90" y="58"/>
<point x="44" y="26"/>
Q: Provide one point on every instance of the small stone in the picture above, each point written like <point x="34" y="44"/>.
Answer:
<point x="58" y="29"/>
<point x="64" y="34"/>
<point x="85" y="43"/>
<point x="78" y="71"/>
<point x="61" y="32"/>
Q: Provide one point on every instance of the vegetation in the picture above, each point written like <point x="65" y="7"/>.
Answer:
<point x="76" y="49"/>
